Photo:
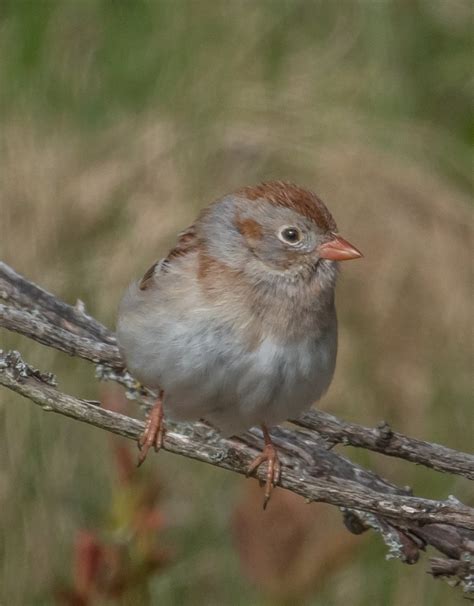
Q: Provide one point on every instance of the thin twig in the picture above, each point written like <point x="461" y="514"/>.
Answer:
<point x="60" y="329"/>
<point x="310" y="467"/>
<point x="388" y="442"/>
<point x="232" y="455"/>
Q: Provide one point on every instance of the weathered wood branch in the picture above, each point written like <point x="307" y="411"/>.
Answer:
<point x="236" y="456"/>
<point x="311" y="468"/>
<point x="33" y="312"/>
<point x="388" y="442"/>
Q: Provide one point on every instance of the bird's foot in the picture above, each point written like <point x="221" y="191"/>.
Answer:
<point x="269" y="455"/>
<point x="154" y="431"/>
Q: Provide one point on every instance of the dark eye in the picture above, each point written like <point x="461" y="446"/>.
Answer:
<point x="290" y="235"/>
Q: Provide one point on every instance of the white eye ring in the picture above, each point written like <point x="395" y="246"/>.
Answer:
<point x="290" y="234"/>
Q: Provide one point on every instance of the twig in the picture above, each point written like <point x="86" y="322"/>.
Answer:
<point x="230" y="454"/>
<point x="311" y="468"/>
<point x="41" y="330"/>
<point x="388" y="442"/>
<point x="64" y="327"/>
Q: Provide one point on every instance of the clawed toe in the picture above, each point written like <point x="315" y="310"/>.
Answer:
<point x="154" y="432"/>
<point x="269" y="455"/>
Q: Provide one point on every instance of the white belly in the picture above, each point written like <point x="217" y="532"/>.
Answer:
<point x="272" y="384"/>
<point x="206" y="373"/>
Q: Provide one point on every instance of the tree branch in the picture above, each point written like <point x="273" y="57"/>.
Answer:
<point x="310" y="467"/>
<point x="388" y="442"/>
<point x="35" y="313"/>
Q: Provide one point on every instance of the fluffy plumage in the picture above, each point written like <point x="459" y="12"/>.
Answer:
<point x="237" y="325"/>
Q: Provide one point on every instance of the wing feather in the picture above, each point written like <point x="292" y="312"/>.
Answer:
<point x="186" y="243"/>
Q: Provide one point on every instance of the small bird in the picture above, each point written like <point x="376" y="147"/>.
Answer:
<point x="237" y="325"/>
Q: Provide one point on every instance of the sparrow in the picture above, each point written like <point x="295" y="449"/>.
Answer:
<point x="237" y="325"/>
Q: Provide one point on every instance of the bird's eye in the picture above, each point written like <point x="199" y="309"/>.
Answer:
<point x="290" y="235"/>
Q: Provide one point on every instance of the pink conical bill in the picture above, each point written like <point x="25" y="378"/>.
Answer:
<point x="338" y="249"/>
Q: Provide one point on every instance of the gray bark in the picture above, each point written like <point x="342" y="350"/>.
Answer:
<point x="310" y="467"/>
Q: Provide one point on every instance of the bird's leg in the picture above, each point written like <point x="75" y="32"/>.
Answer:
<point x="154" y="430"/>
<point x="270" y="456"/>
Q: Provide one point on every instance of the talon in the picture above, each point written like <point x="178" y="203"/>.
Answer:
<point x="270" y="456"/>
<point x="154" y="431"/>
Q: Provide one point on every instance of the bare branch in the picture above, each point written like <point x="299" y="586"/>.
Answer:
<point x="19" y="292"/>
<point x="59" y="325"/>
<point x="235" y="455"/>
<point x="388" y="442"/>
<point x="41" y="330"/>
<point x="310" y="467"/>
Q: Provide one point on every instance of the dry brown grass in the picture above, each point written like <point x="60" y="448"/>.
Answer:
<point x="83" y="215"/>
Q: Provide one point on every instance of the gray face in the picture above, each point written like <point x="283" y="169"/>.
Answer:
<point x="287" y="240"/>
<point x="237" y="230"/>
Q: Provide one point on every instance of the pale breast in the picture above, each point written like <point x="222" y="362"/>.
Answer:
<point x="276" y="382"/>
<point x="174" y="337"/>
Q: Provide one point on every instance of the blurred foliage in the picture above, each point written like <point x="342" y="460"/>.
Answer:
<point x="96" y="61"/>
<point x="114" y="563"/>
<point x="118" y="119"/>
<point x="117" y="566"/>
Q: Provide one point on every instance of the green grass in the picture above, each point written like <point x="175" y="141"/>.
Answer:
<point x="118" y="120"/>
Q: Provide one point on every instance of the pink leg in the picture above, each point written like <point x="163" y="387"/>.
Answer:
<point x="154" y="430"/>
<point x="270" y="456"/>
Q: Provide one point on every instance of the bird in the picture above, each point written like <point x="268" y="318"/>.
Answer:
<point x="237" y="325"/>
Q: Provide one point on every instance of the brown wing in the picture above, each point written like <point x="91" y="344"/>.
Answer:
<point x="187" y="242"/>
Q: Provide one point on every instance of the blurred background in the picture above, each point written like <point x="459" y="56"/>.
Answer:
<point x="118" y="121"/>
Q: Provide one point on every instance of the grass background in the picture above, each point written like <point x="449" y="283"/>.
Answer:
<point x="118" y="121"/>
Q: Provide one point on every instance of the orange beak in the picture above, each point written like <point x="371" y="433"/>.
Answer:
<point x="338" y="249"/>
